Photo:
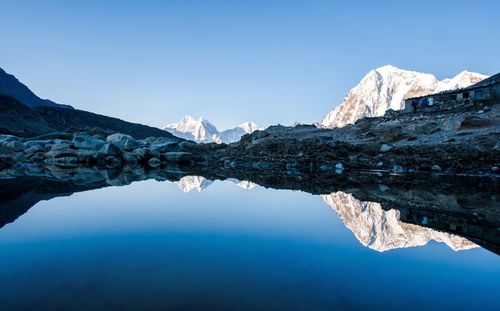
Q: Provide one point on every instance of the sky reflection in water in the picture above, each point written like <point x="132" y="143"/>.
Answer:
<point x="150" y="246"/>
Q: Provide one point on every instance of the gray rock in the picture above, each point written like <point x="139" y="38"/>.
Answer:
<point x="397" y="169"/>
<point x="117" y="137"/>
<point x="495" y="169"/>
<point x="379" y="164"/>
<point x="130" y="158"/>
<point x="125" y="142"/>
<point x="385" y="148"/>
<point x="84" y="141"/>
<point x="130" y="144"/>
<point x="110" y="150"/>
<point x="34" y="149"/>
<point x="15" y="145"/>
<point x="436" y="168"/>
<point x="7" y="138"/>
<point x="154" y="162"/>
<point x="339" y="168"/>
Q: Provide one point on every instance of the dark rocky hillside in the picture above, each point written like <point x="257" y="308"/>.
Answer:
<point x="9" y="85"/>
<point x="20" y="120"/>
<point x="74" y="120"/>
<point x="25" y="114"/>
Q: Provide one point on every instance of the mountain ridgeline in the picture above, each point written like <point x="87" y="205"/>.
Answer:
<point x="27" y="115"/>
<point x="202" y="131"/>
<point x="386" y="88"/>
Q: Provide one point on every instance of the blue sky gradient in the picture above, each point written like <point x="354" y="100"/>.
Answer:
<point x="231" y="61"/>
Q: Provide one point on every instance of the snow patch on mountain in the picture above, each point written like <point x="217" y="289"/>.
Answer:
<point x="202" y="131"/>
<point x="382" y="230"/>
<point x="386" y="88"/>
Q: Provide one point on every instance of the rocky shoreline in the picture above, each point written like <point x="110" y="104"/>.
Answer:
<point x="463" y="140"/>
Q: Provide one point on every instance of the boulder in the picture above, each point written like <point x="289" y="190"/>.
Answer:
<point x="117" y="137"/>
<point x="15" y="145"/>
<point x="339" y="168"/>
<point x="125" y="142"/>
<point x="130" y="158"/>
<point x="397" y="169"/>
<point x="145" y="153"/>
<point x="7" y="138"/>
<point x="154" y="162"/>
<point x="436" y="168"/>
<point x="130" y="144"/>
<point x="385" y="148"/>
<point x="34" y="149"/>
<point x="110" y="149"/>
<point x="84" y="141"/>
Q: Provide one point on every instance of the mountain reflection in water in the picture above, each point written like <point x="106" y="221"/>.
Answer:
<point x="77" y="240"/>
<point x="384" y="212"/>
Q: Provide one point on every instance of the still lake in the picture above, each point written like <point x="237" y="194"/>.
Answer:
<point x="202" y="245"/>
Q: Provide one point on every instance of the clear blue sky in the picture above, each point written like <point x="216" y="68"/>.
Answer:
<point x="266" y="61"/>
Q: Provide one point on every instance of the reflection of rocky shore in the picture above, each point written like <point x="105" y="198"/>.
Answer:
<point x="409" y="210"/>
<point x="383" y="230"/>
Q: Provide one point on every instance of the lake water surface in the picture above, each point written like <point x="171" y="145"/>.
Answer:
<point x="152" y="246"/>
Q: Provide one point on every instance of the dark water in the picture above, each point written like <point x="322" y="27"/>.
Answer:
<point x="151" y="246"/>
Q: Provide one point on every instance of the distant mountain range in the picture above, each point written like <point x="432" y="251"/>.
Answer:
<point x="386" y="88"/>
<point x="202" y="131"/>
<point x="26" y="114"/>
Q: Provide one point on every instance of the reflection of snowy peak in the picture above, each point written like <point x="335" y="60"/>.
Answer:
<point x="189" y="183"/>
<point x="245" y="184"/>
<point x="381" y="230"/>
<point x="201" y="130"/>
<point x="386" y="88"/>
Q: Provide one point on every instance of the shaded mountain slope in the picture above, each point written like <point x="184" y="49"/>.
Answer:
<point x="25" y="114"/>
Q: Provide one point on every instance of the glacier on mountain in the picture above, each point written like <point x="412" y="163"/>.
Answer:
<point x="202" y="131"/>
<point x="386" y="88"/>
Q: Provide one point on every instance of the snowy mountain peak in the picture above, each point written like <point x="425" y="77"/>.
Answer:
<point x="386" y="88"/>
<point x="201" y="130"/>
<point x="249" y="127"/>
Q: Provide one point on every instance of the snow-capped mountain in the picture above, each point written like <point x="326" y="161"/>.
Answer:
<point x="190" y="183"/>
<point x="386" y="88"/>
<point x="382" y="230"/>
<point x="201" y="130"/>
